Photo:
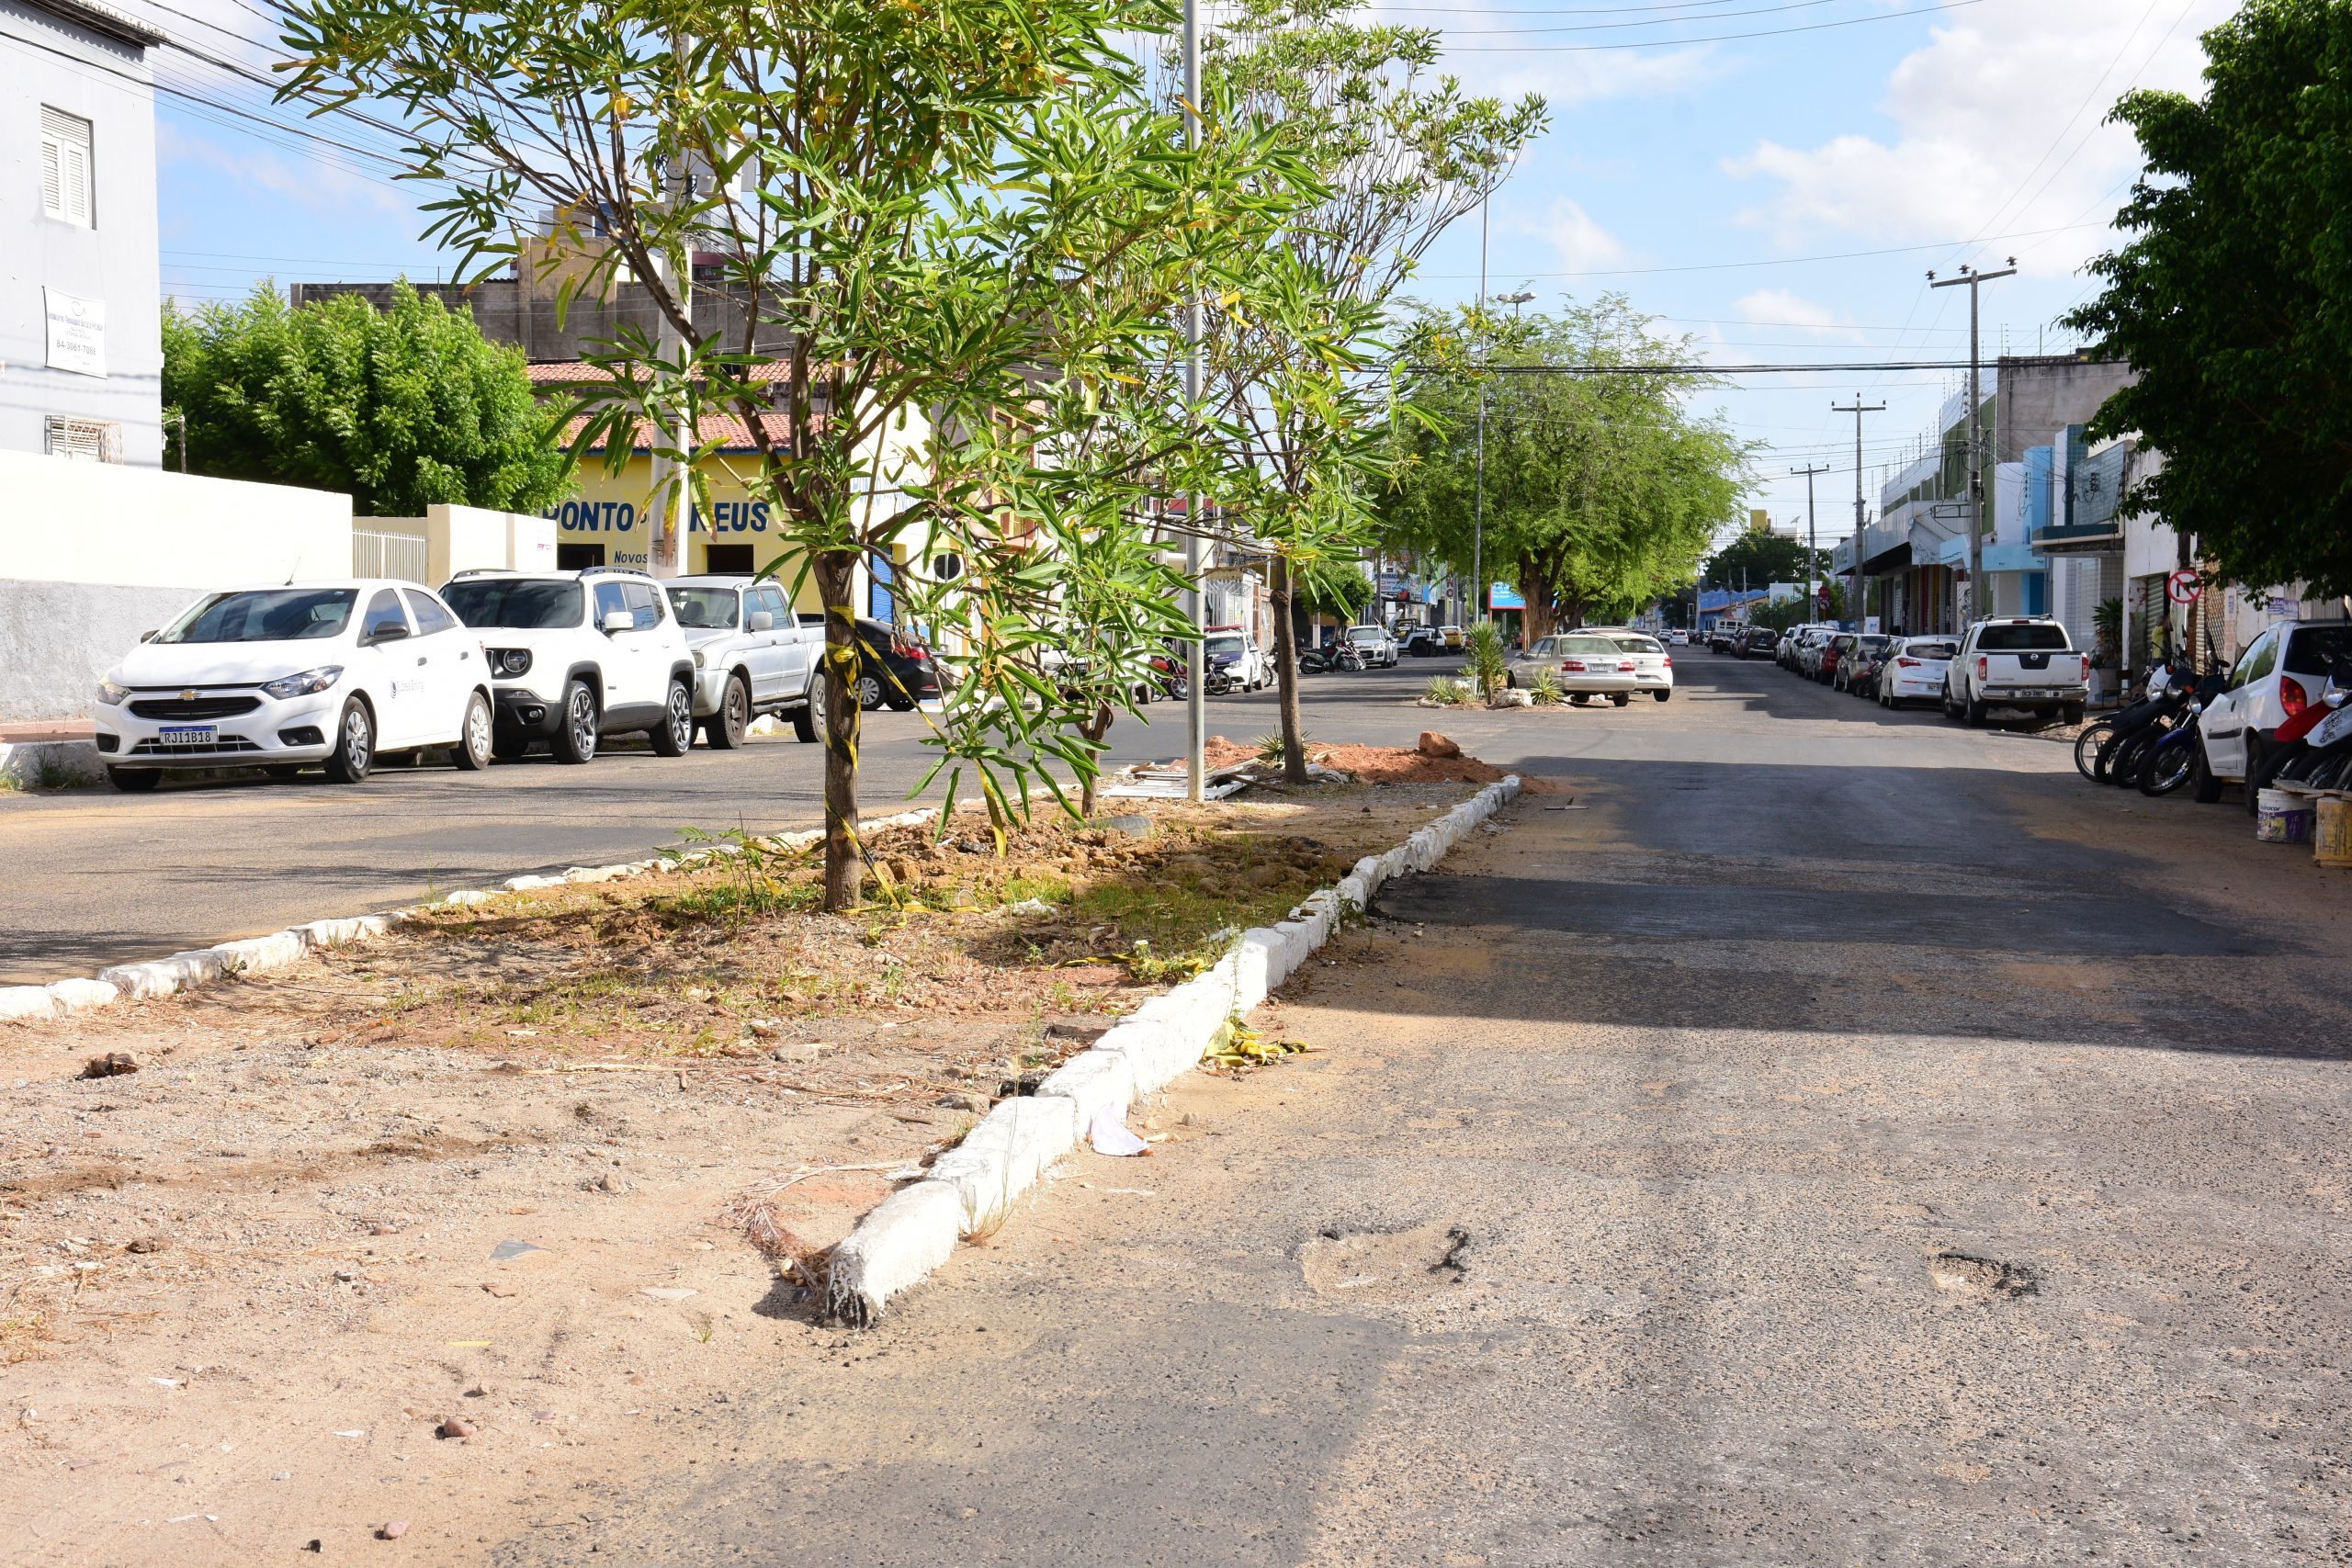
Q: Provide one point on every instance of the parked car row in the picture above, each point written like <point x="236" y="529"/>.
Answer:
<point x="337" y="675"/>
<point x="2022" y="664"/>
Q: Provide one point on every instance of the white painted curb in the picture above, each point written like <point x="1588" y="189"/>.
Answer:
<point x="259" y="954"/>
<point x="971" y="1188"/>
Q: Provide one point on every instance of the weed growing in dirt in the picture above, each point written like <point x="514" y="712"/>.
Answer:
<point x="755" y="882"/>
<point x="1446" y="691"/>
<point x="1544" y="690"/>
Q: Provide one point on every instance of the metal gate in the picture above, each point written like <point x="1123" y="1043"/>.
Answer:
<point x="387" y="555"/>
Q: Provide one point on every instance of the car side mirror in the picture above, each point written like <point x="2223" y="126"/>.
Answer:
<point x="619" y="621"/>
<point x="390" y="632"/>
<point x="762" y="621"/>
<point x="146" y="636"/>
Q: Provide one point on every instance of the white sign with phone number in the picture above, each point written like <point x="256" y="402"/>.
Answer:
<point x="77" y="334"/>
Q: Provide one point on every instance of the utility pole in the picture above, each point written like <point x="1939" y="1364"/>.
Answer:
<point x="1812" y="548"/>
<point x="665" y="554"/>
<point x="1478" y="514"/>
<point x="1977" y="596"/>
<point x="1861" y="591"/>
<point x="1195" y="713"/>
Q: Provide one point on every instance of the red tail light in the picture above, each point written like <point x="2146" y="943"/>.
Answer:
<point x="1983" y="669"/>
<point x="2292" y="697"/>
<point x="1572" y="666"/>
<point x="1623" y="665"/>
<point x="1669" y="661"/>
<point x="1908" y="664"/>
<point x="2086" y="666"/>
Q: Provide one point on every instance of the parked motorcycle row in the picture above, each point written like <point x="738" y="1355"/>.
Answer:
<point x="2169" y="738"/>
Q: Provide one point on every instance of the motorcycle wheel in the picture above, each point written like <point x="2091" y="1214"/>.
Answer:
<point x="2169" y="767"/>
<point x="2087" y="746"/>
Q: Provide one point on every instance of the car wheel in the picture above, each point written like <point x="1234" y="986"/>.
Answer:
<point x="1662" y="696"/>
<point x="869" y="691"/>
<point x="1973" y="715"/>
<point x="2202" y="785"/>
<point x="808" y="719"/>
<point x="134" y="781"/>
<point x="575" y="735"/>
<point x="676" y="734"/>
<point x="474" y="739"/>
<point x="354" y="744"/>
<point x="282" y="771"/>
<point x="726" y="729"/>
<point x="1620" y="700"/>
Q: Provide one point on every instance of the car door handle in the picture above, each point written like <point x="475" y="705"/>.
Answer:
<point x="420" y="659"/>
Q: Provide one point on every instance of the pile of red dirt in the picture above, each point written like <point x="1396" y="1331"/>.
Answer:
<point x="1370" y="764"/>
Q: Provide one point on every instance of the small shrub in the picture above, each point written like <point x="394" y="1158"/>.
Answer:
<point x="1446" y="692"/>
<point x="1488" y="665"/>
<point x="1544" y="690"/>
<point x="1271" y="749"/>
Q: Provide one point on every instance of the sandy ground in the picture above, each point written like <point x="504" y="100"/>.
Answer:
<point x="425" y="1230"/>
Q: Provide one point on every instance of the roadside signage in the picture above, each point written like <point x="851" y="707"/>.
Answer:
<point x="77" y="333"/>
<point x="1503" y="596"/>
<point x="2183" y="587"/>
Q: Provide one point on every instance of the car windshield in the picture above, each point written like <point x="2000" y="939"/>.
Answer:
<point x="1363" y="634"/>
<point x="267" y="614"/>
<point x="1637" y="644"/>
<point x="704" y="609"/>
<point x="1928" y="650"/>
<point x="521" y="603"/>
<point x="2035" y="636"/>
<point x="2315" y="649"/>
<point x="1873" y="643"/>
<point x="1229" y="642"/>
<point x="1587" y="645"/>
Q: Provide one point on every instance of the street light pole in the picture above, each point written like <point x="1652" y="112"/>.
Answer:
<point x="1479" y="513"/>
<point x="1812" y="547"/>
<point x="1977" y="596"/>
<point x="1195" y="711"/>
<point x="1862" y="593"/>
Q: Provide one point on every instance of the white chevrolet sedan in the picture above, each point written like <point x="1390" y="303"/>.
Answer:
<point x="289" y="676"/>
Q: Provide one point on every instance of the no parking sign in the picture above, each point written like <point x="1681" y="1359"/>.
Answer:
<point x="2183" y="587"/>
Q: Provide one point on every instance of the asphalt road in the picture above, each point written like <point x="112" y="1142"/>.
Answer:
<point x="98" y="878"/>
<point x="1810" y="1137"/>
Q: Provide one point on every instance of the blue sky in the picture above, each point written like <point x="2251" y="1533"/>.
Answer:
<point x="1694" y="172"/>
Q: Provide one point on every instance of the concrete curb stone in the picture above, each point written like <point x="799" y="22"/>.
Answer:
<point x="1001" y="1159"/>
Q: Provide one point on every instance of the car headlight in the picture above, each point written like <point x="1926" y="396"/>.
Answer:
<point x="508" y="661"/>
<point x="112" y="694"/>
<point x="303" y="684"/>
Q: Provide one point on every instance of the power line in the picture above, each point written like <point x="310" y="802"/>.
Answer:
<point x="1777" y="261"/>
<point x="1713" y="37"/>
<point x="1611" y="27"/>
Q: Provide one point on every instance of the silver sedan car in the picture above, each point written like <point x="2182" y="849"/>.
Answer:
<point x="1584" y="664"/>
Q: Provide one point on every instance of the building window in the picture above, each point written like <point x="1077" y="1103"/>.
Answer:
<point x="94" y="440"/>
<point x="65" y="167"/>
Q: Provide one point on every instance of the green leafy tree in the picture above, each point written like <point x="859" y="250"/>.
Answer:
<point x="1400" y="153"/>
<point x="952" y="236"/>
<point x="2233" y="300"/>
<point x="1759" y="558"/>
<point x="402" y="408"/>
<point x="1602" y="491"/>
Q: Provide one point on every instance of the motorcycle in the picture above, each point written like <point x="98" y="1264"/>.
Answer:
<point x="1348" y="657"/>
<point x="2317" y="754"/>
<point x="1316" y="662"/>
<point x="2123" y="736"/>
<point x="2177" y="754"/>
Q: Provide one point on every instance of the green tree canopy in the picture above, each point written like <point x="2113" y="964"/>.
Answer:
<point x="403" y="408"/>
<point x="2233" y="302"/>
<point x="1601" y="489"/>
<point x="1757" y="559"/>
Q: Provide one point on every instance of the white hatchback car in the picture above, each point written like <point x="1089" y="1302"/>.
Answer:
<point x="295" y="674"/>
<point x="1653" y="666"/>
<point x="1914" y="671"/>
<point x="575" y="656"/>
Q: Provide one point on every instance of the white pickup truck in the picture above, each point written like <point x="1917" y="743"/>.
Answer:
<point x="2022" y="662"/>
<point x="751" y="656"/>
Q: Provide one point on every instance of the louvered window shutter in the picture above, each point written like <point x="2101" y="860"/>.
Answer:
<point x="65" y="167"/>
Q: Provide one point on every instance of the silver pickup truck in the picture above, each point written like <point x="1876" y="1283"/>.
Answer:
<point x="751" y="656"/>
<point x="2024" y="662"/>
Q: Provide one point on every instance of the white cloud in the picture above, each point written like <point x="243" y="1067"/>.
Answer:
<point x="1783" y="307"/>
<point x="1983" y="142"/>
<point x="1581" y="243"/>
<point x="1484" y="48"/>
<point x="314" y="182"/>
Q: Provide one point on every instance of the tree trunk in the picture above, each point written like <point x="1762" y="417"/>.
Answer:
<point x="1536" y="592"/>
<point x="1094" y="728"/>
<point x="1282" y="591"/>
<point x="836" y="571"/>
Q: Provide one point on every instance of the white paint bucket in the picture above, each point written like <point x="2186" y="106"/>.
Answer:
<point x="2283" y="818"/>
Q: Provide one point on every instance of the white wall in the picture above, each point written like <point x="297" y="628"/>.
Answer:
<point x="470" y="538"/>
<point x="62" y="521"/>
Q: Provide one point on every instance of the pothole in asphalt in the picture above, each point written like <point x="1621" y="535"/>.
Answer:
<point x="1979" y="1279"/>
<point x="1384" y="1263"/>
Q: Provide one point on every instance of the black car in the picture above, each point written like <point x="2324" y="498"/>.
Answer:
<point x="1759" y="643"/>
<point x="893" y="668"/>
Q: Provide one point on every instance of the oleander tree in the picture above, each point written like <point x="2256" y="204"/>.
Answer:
<point x="402" y="408"/>
<point x="951" y="236"/>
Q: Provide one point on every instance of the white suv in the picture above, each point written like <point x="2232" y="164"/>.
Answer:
<point x="293" y="674"/>
<point x="1374" y="643"/>
<point x="575" y="656"/>
<point x="751" y="656"/>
